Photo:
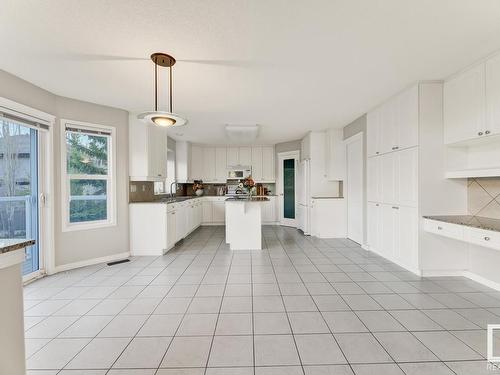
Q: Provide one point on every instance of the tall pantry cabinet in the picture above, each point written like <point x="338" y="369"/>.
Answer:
<point x="405" y="171"/>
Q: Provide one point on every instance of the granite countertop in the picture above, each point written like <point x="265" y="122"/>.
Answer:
<point x="480" y="222"/>
<point x="327" y="197"/>
<point x="253" y="199"/>
<point x="185" y="198"/>
<point x="11" y="244"/>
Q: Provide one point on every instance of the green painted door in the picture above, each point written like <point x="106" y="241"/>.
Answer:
<point x="289" y="188"/>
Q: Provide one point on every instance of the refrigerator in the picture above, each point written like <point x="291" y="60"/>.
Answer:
<point x="303" y="196"/>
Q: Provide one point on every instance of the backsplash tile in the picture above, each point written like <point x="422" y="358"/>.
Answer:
<point x="483" y="197"/>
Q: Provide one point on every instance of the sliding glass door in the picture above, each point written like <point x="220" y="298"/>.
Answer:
<point x="19" y="216"/>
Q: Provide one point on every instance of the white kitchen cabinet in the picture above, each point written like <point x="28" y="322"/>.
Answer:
<point x="492" y="72"/>
<point x="220" y="164"/>
<point x="374" y="230"/>
<point x="171" y="229"/>
<point x="328" y="218"/>
<point x="335" y="155"/>
<point x="180" y="222"/>
<point x="268" y="164"/>
<point x="407" y="118"/>
<point x="389" y="178"/>
<point x="388" y="127"/>
<point x="147" y="151"/>
<point x="406" y="250"/>
<point x="233" y="156"/>
<point x="374" y="180"/>
<point x="207" y="212"/>
<point x="269" y="211"/>
<point x="407" y="164"/>
<point x="245" y="156"/>
<point x="257" y="163"/>
<point x="373" y="132"/>
<point x="197" y="164"/>
<point x="182" y="161"/>
<point x="218" y="212"/>
<point x="209" y="164"/>
<point x="464" y="105"/>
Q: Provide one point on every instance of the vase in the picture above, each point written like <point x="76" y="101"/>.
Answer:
<point x="199" y="192"/>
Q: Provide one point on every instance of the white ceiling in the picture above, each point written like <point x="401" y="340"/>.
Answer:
<point x="288" y="65"/>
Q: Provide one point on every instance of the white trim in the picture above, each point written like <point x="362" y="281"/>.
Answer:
<point x="481" y="280"/>
<point x="111" y="179"/>
<point x="22" y="110"/>
<point x="280" y="188"/>
<point x="442" y="273"/>
<point x="90" y="262"/>
<point x="356" y="137"/>
<point x="12" y="257"/>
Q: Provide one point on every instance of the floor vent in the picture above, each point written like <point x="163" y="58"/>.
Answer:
<point x="118" y="262"/>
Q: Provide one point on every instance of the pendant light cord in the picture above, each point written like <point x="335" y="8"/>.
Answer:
<point x="170" y="84"/>
<point x="156" y="86"/>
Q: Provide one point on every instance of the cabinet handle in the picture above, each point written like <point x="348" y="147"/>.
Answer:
<point x="487" y="132"/>
<point x="395" y="207"/>
<point x="377" y="205"/>
<point x="395" y="148"/>
<point x="440" y="228"/>
<point x="480" y="133"/>
<point x="486" y="238"/>
<point x="377" y="152"/>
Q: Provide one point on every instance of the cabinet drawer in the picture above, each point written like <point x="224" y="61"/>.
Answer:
<point x="483" y="237"/>
<point x="444" y="229"/>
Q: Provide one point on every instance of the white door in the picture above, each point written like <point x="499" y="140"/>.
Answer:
<point x="287" y="188"/>
<point x="354" y="153"/>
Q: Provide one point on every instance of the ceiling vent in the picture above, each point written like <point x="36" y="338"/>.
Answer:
<point x="245" y="134"/>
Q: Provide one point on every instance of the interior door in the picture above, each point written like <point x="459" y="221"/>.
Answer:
<point x="354" y="150"/>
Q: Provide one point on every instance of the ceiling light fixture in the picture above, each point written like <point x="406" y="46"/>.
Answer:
<point x="162" y="118"/>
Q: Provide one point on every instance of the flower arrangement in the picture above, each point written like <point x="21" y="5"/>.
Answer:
<point x="249" y="184"/>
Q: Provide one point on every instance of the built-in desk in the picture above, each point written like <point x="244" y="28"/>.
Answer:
<point x="12" y="255"/>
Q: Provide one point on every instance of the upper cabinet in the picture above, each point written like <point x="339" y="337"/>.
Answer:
<point x="464" y="106"/>
<point x="147" y="151"/>
<point x="492" y="72"/>
<point x="210" y="163"/>
<point x="335" y="155"/>
<point x="394" y="125"/>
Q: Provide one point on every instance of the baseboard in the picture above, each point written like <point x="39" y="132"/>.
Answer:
<point x="89" y="262"/>
<point x="481" y="280"/>
<point x="417" y="272"/>
<point x="147" y="253"/>
<point x="442" y="273"/>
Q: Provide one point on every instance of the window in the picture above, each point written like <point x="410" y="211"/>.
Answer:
<point x="88" y="176"/>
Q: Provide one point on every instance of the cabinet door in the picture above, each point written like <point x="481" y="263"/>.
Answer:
<point x="374" y="226"/>
<point x="389" y="178"/>
<point x="207" y="212"/>
<point x="407" y="249"/>
<point x="388" y="127"/>
<point x="374" y="179"/>
<point x="257" y="163"/>
<point x="209" y="164"/>
<point x="407" y="163"/>
<point x="407" y="118"/>
<point x="220" y="164"/>
<point x="373" y="132"/>
<point x="180" y="223"/>
<point x="268" y="164"/>
<point x="171" y="230"/>
<point x="219" y="212"/>
<point x="196" y="162"/>
<point x="233" y="156"/>
<point x="493" y="95"/>
<point x="245" y="156"/>
<point x="464" y="105"/>
<point x="157" y="152"/>
<point x="387" y="238"/>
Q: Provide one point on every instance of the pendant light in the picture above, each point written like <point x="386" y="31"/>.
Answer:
<point x="162" y="118"/>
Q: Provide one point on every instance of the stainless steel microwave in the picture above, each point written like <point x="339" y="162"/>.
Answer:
<point x="238" y="173"/>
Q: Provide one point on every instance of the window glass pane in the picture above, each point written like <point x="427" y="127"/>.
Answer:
<point x="289" y="188"/>
<point x="86" y="153"/>
<point x="87" y="200"/>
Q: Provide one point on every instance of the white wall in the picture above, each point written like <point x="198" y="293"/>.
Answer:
<point x="77" y="246"/>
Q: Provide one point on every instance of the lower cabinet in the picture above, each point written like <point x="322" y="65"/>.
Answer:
<point x="269" y="211"/>
<point x="393" y="233"/>
<point x="329" y="218"/>
<point x="218" y="212"/>
<point x="171" y="229"/>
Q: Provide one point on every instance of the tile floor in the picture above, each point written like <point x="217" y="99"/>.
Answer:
<point x="301" y="306"/>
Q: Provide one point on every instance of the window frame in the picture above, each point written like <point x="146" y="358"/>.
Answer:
<point x="110" y="178"/>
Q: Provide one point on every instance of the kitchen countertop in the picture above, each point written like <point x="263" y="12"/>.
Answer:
<point x="185" y="198"/>
<point x="480" y="222"/>
<point x="11" y="244"/>
<point x="327" y="197"/>
<point x="253" y="199"/>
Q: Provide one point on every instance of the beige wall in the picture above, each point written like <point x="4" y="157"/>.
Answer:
<point x="284" y="147"/>
<point x="483" y="197"/>
<point x="76" y="246"/>
<point x="355" y="127"/>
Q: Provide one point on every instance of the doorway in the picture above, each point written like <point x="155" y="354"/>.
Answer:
<point x="354" y="188"/>
<point x="287" y="188"/>
<point x="22" y="183"/>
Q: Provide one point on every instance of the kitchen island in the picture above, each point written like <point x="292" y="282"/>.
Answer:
<point x="244" y="223"/>
<point x="12" y="356"/>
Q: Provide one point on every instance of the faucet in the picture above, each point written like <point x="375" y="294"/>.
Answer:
<point x="171" y="193"/>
